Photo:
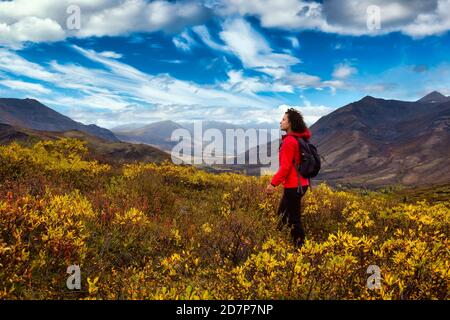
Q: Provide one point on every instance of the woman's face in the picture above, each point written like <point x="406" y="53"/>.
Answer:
<point x="284" y="123"/>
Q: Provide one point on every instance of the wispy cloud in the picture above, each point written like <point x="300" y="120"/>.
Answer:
<point x="24" y="86"/>
<point x="111" y="54"/>
<point x="184" y="41"/>
<point x="205" y="36"/>
<point x="343" y="70"/>
<point x="227" y="60"/>
<point x="11" y="62"/>
<point x="120" y="87"/>
<point x="237" y="82"/>
<point x="294" y="42"/>
<point x="253" y="50"/>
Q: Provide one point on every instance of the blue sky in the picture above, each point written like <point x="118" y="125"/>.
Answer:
<point x="137" y="61"/>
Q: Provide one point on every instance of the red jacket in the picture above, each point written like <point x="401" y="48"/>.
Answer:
<point x="287" y="174"/>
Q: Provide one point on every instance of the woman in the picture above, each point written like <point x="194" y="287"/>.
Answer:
<point x="290" y="205"/>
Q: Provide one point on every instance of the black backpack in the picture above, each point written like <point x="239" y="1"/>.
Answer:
<point x="310" y="162"/>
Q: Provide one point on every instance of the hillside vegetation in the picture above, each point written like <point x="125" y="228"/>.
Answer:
<point x="160" y="231"/>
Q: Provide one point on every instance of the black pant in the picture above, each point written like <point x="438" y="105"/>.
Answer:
<point x="290" y="212"/>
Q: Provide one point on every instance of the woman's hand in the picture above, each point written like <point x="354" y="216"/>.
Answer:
<point x="270" y="189"/>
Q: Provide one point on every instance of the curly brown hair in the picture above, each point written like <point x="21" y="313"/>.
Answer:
<point x="296" y="120"/>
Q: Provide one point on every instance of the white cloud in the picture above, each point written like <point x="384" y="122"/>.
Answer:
<point x="334" y="84"/>
<point x="416" y="18"/>
<point x="286" y="14"/>
<point x="253" y="50"/>
<point x="343" y="71"/>
<point x="161" y="89"/>
<point x="303" y="80"/>
<point x="30" y="29"/>
<point x="174" y="61"/>
<point x="184" y="41"/>
<point x="24" y="86"/>
<point x="255" y="53"/>
<point x="205" y="36"/>
<point x="311" y="113"/>
<point x="118" y="88"/>
<point x="45" y="21"/>
<point x="237" y="82"/>
<point x="13" y="63"/>
<point x="431" y="23"/>
<point x="105" y="101"/>
<point x="111" y="54"/>
<point x="294" y="42"/>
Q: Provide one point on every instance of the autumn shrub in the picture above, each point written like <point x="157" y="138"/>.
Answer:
<point x="163" y="231"/>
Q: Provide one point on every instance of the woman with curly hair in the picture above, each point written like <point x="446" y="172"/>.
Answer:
<point x="287" y="175"/>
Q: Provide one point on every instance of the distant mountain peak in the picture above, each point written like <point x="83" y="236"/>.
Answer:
<point x="374" y="142"/>
<point x="369" y="98"/>
<point x="434" y="97"/>
<point x="32" y="114"/>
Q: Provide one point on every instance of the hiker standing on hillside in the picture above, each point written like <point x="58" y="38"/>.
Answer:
<point x="290" y="204"/>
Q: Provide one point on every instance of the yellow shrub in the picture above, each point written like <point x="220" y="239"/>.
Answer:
<point x="162" y="231"/>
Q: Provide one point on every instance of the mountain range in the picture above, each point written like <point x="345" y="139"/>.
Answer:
<point x="30" y="113"/>
<point x="376" y="142"/>
<point x="370" y="142"/>
<point x="159" y="133"/>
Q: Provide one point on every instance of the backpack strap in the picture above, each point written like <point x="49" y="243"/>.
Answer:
<point x="299" y="186"/>
<point x="306" y="144"/>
